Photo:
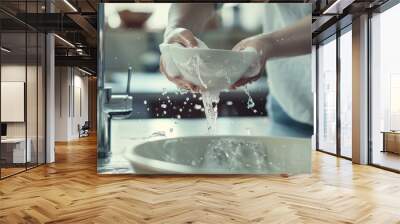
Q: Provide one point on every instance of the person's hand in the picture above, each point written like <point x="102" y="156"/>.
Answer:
<point x="259" y="44"/>
<point x="185" y="38"/>
<point x="181" y="36"/>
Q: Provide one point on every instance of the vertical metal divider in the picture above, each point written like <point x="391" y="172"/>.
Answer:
<point x="60" y="89"/>
<point x="45" y="90"/>
<point x="80" y="102"/>
<point x="317" y="97"/>
<point x="69" y="92"/>
<point x="37" y="88"/>
<point x="73" y="91"/>
<point x="369" y="96"/>
<point x="338" y="97"/>
<point x="26" y="86"/>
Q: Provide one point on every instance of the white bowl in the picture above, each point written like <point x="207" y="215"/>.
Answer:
<point x="212" y="69"/>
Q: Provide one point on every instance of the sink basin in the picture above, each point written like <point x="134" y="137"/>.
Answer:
<point x="222" y="155"/>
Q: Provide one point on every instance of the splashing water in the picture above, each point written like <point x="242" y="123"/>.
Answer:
<point x="164" y="92"/>
<point x="210" y="98"/>
<point x="250" y="102"/>
<point x="242" y="155"/>
<point x="221" y="154"/>
<point x="210" y="102"/>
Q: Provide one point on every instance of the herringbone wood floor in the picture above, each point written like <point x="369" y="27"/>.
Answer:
<point x="70" y="191"/>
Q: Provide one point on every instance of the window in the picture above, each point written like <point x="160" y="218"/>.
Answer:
<point x="346" y="93"/>
<point x="327" y="96"/>
<point x="385" y="89"/>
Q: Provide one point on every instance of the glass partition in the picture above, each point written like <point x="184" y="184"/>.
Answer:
<point x="14" y="151"/>
<point x="22" y="89"/>
<point x="32" y="97"/>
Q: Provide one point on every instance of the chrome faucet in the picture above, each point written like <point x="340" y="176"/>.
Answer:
<point x="115" y="106"/>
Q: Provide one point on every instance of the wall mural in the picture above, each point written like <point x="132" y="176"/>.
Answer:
<point x="204" y="88"/>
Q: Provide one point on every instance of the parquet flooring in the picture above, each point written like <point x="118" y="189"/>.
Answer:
<point x="10" y="171"/>
<point x="70" y="191"/>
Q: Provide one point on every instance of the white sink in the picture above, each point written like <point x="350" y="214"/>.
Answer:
<point x="222" y="155"/>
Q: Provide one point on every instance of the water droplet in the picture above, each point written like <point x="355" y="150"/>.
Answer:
<point x="184" y="103"/>
<point x="197" y="106"/>
<point x="145" y="102"/>
<point x="164" y="91"/>
<point x="229" y="103"/>
<point x="180" y="109"/>
<point x="164" y="105"/>
<point x="178" y="116"/>
<point x="250" y="103"/>
<point x="187" y="98"/>
<point x="164" y="112"/>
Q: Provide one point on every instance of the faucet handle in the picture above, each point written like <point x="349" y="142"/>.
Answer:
<point x="128" y="87"/>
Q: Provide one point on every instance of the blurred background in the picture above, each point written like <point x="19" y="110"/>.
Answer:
<point x="132" y="36"/>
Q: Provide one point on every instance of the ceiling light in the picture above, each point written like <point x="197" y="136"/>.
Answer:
<point x="70" y="5"/>
<point x="84" y="71"/>
<point x="5" y="50"/>
<point x="65" y="41"/>
<point x="337" y="7"/>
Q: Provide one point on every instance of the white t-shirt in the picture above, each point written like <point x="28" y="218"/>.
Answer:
<point x="289" y="79"/>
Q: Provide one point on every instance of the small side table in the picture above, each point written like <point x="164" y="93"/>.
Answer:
<point x="16" y="147"/>
<point x="391" y="141"/>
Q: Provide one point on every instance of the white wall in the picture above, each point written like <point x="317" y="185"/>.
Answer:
<point x="70" y="84"/>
